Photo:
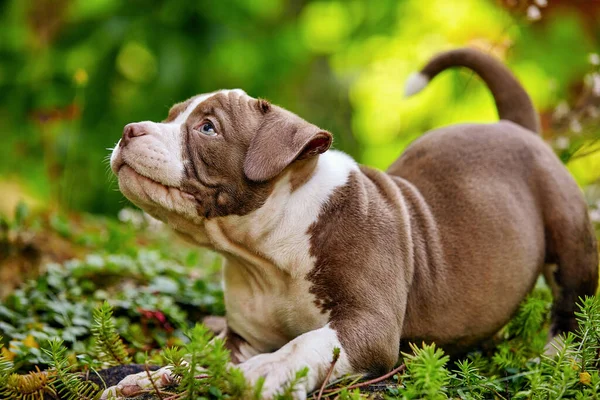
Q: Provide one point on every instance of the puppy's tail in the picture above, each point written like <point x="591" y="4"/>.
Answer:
<point x="512" y="101"/>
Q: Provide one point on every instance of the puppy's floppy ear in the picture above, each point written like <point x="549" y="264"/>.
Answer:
<point x="282" y="138"/>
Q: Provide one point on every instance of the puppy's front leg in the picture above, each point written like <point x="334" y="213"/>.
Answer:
<point x="367" y="345"/>
<point x="313" y="349"/>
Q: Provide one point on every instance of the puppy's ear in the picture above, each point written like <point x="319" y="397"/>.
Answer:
<point x="282" y="138"/>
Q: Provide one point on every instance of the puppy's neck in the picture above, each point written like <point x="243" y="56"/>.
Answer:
<point x="277" y="232"/>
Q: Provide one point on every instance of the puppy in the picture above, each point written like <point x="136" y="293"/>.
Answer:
<point x="322" y="252"/>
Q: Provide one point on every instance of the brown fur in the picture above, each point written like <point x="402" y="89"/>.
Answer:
<point x="232" y="174"/>
<point x="301" y="171"/>
<point x="447" y="251"/>
<point x="442" y="247"/>
<point x="361" y="233"/>
<point x="459" y="252"/>
<point x="214" y="164"/>
<point x="512" y="101"/>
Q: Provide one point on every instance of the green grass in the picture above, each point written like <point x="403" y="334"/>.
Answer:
<point x="134" y="294"/>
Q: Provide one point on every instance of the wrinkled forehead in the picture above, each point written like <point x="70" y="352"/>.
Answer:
<point x="180" y="112"/>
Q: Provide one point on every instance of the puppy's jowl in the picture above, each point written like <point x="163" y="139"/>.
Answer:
<point x="322" y="252"/>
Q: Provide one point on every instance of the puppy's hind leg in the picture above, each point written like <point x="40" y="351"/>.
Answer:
<point x="571" y="245"/>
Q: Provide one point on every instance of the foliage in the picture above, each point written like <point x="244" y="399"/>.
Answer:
<point x="68" y="384"/>
<point x="74" y="72"/>
<point x="33" y="386"/>
<point x="6" y="369"/>
<point x="588" y="336"/>
<point x="59" y="303"/>
<point x="153" y="296"/>
<point x="206" y="373"/>
<point x="151" y="290"/>
<point x="109" y="346"/>
<point x="427" y="375"/>
<point x="572" y="373"/>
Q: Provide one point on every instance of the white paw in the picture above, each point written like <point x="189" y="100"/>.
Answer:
<point x="277" y="371"/>
<point x="136" y="384"/>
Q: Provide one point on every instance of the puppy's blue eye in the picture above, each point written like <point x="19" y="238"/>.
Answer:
<point x="207" y="129"/>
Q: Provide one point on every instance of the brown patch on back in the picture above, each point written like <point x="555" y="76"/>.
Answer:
<point x="362" y="268"/>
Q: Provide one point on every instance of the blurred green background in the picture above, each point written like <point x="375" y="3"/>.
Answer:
<point x="74" y="72"/>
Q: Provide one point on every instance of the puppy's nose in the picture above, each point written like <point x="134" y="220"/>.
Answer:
<point x="130" y="131"/>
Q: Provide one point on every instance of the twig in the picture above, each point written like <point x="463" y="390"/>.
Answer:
<point x="152" y="382"/>
<point x="336" y="357"/>
<point x="393" y="372"/>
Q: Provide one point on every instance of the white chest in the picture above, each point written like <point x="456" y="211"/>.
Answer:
<point x="271" y="309"/>
<point x="267" y="295"/>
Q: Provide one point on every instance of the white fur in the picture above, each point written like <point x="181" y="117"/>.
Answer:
<point x="266" y="291"/>
<point x="415" y="83"/>
<point x="181" y="118"/>
<point x="154" y="168"/>
<point x="283" y="221"/>
<point x="313" y="349"/>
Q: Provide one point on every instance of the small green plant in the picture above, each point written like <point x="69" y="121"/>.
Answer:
<point x="109" y="346"/>
<point x="470" y="383"/>
<point x="202" y="369"/>
<point x="156" y="298"/>
<point x="427" y="375"/>
<point x="588" y="335"/>
<point x="6" y="369"/>
<point x="32" y="386"/>
<point x="68" y="384"/>
<point x="207" y="371"/>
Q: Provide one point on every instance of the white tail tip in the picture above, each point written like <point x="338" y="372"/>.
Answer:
<point x="415" y="83"/>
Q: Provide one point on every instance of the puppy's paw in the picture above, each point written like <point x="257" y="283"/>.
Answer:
<point x="136" y="384"/>
<point x="277" y="371"/>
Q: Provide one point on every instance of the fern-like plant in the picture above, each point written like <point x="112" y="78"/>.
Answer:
<point x="6" y="369"/>
<point x="471" y="384"/>
<point x="32" y="386"/>
<point x="67" y="383"/>
<point x="203" y="369"/>
<point x="109" y="346"/>
<point x="427" y="376"/>
<point x="561" y="371"/>
<point x="588" y="335"/>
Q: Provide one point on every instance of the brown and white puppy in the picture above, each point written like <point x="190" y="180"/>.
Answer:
<point x="322" y="252"/>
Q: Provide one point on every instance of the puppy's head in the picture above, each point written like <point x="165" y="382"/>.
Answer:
<point x="216" y="154"/>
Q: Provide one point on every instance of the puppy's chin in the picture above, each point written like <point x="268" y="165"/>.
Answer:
<point x="158" y="200"/>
